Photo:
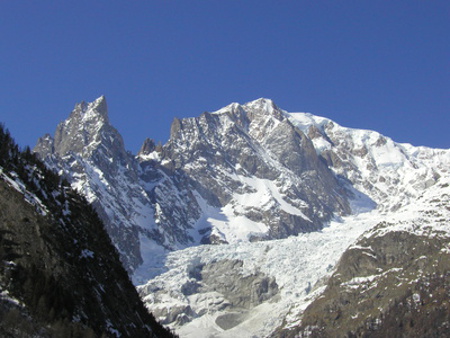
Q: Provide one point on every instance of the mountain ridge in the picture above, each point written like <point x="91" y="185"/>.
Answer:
<point x="91" y="153"/>
<point x="249" y="176"/>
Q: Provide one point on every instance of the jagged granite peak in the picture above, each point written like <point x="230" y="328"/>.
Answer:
<point x="88" y="134"/>
<point x="148" y="147"/>
<point x="91" y="154"/>
<point x="45" y="145"/>
<point x="99" y="106"/>
<point x="83" y="130"/>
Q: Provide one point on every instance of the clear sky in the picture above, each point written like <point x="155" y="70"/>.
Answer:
<point x="381" y="65"/>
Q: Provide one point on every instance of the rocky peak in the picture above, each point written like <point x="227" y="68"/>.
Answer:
<point x="231" y="109"/>
<point x="92" y="155"/>
<point x="262" y="104"/>
<point x="175" y="128"/>
<point x="91" y="111"/>
<point x="147" y="148"/>
<point x="253" y="111"/>
<point x="83" y="132"/>
<point x="100" y="106"/>
<point x="45" y="145"/>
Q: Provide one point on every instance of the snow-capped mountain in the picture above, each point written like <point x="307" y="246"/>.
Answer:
<point x="251" y="176"/>
<point x="222" y="177"/>
<point x="90" y="153"/>
<point x="254" y="174"/>
<point x="391" y="174"/>
<point x="392" y="188"/>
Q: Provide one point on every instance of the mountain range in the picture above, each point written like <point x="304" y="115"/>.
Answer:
<point x="253" y="221"/>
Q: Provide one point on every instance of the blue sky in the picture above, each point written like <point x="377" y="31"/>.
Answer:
<point x="381" y="65"/>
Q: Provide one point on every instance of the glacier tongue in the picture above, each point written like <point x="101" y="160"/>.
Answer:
<point x="297" y="264"/>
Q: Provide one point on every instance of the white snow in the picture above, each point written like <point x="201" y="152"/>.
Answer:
<point x="153" y="156"/>
<point x="153" y="265"/>
<point x="230" y="222"/>
<point x="304" y="121"/>
<point x="5" y="296"/>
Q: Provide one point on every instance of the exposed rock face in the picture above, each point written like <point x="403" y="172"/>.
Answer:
<point x="90" y="153"/>
<point x="147" y="148"/>
<point x="225" y="277"/>
<point x="60" y="276"/>
<point x="394" y="285"/>
<point x="391" y="174"/>
<point x="229" y="155"/>
<point x="222" y="285"/>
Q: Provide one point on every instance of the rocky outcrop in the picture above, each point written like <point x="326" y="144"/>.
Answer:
<point x="390" y="285"/>
<point x="222" y="285"/>
<point x="226" y="278"/>
<point x="391" y="174"/>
